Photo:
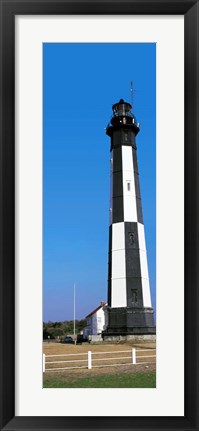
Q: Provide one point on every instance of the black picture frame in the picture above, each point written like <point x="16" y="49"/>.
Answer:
<point x="8" y="10"/>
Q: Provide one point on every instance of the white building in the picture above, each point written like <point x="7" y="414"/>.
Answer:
<point x="96" y="321"/>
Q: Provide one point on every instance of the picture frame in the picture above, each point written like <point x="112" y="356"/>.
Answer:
<point x="9" y="9"/>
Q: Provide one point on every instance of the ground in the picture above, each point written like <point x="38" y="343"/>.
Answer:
<point x="104" y="372"/>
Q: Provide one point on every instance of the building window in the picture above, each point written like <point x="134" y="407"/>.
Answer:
<point x="134" y="295"/>
<point x="128" y="186"/>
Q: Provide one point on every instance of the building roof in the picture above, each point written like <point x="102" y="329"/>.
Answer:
<point x="96" y="309"/>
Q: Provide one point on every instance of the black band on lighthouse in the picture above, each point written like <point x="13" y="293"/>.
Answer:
<point x="117" y="187"/>
<point x="137" y="187"/>
<point x="133" y="269"/>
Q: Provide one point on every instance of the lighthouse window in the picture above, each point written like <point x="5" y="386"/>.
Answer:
<point x="134" y="295"/>
<point x="126" y="136"/>
<point x="128" y="186"/>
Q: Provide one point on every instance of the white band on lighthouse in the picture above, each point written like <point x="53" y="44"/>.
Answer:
<point x="129" y="195"/>
<point x="118" y="282"/>
<point x="144" y="267"/>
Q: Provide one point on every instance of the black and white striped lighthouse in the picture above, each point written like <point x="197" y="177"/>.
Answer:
<point x="129" y="298"/>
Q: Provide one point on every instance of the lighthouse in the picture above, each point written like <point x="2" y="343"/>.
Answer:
<point x="129" y="298"/>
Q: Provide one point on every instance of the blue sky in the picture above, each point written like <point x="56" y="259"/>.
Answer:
<point x="80" y="84"/>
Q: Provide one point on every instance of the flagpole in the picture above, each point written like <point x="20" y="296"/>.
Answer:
<point x="74" y="310"/>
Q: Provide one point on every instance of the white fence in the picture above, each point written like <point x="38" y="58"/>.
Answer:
<point x="90" y="361"/>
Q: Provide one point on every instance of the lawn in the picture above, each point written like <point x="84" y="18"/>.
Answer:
<point x="123" y="380"/>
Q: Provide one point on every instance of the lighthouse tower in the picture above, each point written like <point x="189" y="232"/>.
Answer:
<point x="129" y="298"/>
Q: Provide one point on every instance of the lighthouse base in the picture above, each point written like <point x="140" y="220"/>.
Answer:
<point x="130" y="321"/>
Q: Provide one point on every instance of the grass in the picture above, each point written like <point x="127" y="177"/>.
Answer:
<point x="125" y="380"/>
